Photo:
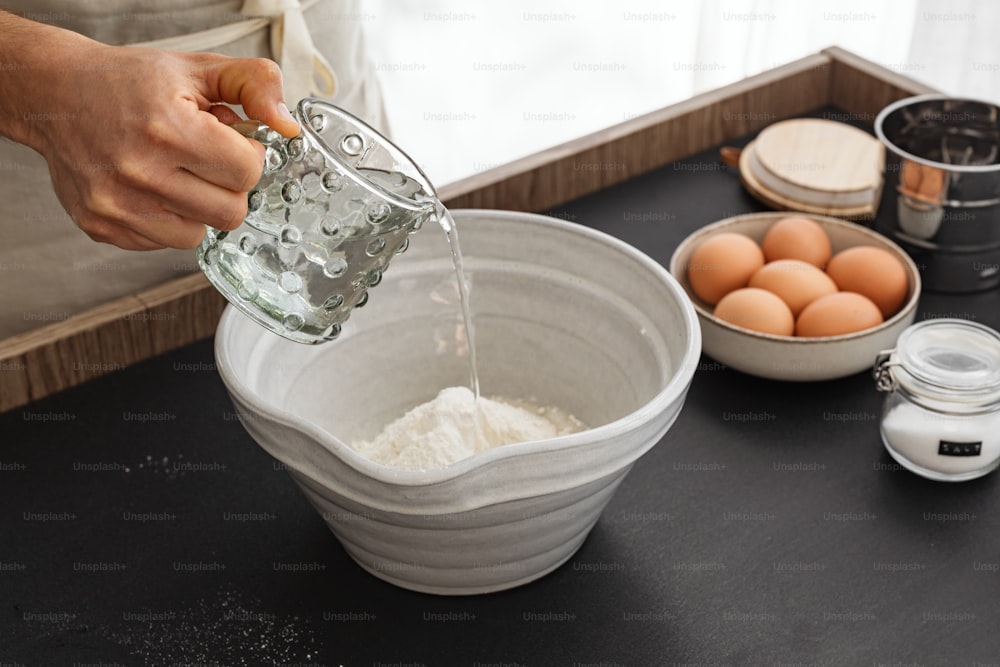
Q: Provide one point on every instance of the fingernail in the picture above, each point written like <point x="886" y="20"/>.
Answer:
<point x="285" y="114"/>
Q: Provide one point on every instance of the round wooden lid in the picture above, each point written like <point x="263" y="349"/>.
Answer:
<point x="815" y="165"/>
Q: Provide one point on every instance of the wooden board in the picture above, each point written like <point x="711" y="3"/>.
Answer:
<point x="135" y="327"/>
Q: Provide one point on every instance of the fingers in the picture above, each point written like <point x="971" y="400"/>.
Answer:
<point x="220" y="156"/>
<point x="173" y="209"/>
<point x="135" y="221"/>
<point x="199" y="190"/>
<point x="142" y="233"/>
<point x="254" y="83"/>
<point x="106" y="231"/>
<point x="192" y="198"/>
<point x="223" y="157"/>
<point x="165" y="199"/>
<point x="126" y="239"/>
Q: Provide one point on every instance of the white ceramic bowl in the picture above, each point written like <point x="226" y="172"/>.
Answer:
<point x="790" y="357"/>
<point x="564" y="315"/>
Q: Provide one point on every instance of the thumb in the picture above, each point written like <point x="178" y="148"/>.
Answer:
<point x="254" y="83"/>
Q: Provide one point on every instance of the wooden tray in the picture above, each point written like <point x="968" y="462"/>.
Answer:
<point x="135" y="327"/>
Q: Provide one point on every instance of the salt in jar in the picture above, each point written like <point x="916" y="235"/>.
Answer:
<point x="941" y="417"/>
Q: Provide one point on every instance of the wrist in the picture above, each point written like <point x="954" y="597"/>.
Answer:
<point x="34" y="59"/>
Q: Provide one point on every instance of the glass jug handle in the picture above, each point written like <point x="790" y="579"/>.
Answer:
<point x="252" y="129"/>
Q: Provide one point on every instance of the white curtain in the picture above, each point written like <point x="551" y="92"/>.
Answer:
<point x="956" y="47"/>
<point x="470" y="85"/>
<point x="750" y="36"/>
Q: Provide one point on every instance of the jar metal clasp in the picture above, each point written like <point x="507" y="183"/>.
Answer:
<point x="882" y="372"/>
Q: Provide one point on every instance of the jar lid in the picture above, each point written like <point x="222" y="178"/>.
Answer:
<point x="952" y="357"/>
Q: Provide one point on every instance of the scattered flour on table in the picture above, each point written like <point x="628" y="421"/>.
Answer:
<point x="454" y="426"/>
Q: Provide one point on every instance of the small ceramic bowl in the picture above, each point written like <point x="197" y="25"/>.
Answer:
<point x="789" y="357"/>
<point x="564" y="316"/>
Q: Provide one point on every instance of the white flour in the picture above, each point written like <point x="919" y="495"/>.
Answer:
<point x="453" y="426"/>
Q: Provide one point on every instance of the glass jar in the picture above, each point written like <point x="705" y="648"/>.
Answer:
<point x="941" y="418"/>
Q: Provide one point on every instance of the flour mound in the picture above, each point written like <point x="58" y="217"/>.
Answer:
<point x="454" y="426"/>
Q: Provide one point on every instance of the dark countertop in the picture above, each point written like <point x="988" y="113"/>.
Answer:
<point x="141" y="525"/>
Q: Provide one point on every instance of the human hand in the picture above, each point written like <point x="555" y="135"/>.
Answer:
<point x="138" y="147"/>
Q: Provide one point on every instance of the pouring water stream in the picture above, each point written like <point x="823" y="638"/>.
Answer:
<point x="451" y="231"/>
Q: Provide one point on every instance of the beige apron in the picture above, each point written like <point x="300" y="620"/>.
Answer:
<point x="49" y="269"/>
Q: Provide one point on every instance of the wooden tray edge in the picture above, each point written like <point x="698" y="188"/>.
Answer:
<point x="107" y="338"/>
<point x="598" y="160"/>
<point x="863" y="88"/>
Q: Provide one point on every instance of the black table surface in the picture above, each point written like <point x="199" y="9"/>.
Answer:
<point x="140" y="525"/>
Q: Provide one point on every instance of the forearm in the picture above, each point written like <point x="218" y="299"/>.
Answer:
<point x="33" y="59"/>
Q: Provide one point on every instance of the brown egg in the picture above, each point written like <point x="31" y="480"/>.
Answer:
<point x="797" y="238"/>
<point x="798" y="283"/>
<point x="757" y="309"/>
<point x="837" y="314"/>
<point x="871" y="271"/>
<point x="909" y="177"/>
<point x="722" y="264"/>
<point x="922" y="181"/>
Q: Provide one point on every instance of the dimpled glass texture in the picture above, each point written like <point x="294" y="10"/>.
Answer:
<point x="331" y="209"/>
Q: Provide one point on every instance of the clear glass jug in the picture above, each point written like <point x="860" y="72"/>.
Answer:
<point x="332" y="207"/>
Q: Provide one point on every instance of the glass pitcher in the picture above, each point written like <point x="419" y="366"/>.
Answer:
<point x="332" y="207"/>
